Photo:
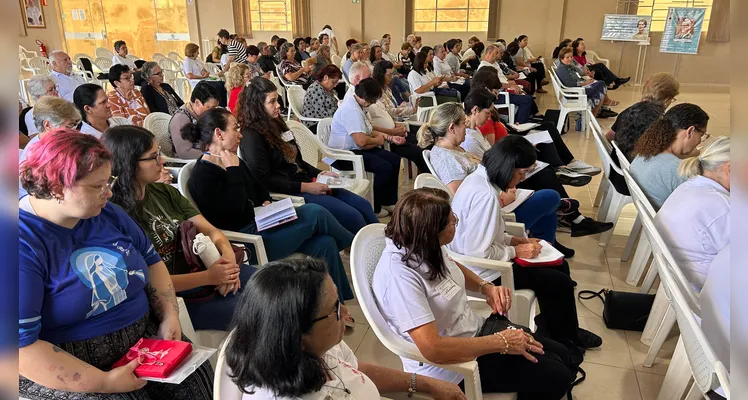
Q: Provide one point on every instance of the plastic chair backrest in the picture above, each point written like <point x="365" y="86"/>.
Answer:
<point x="157" y="56"/>
<point x="175" y="56"/>
<point x="622" y="160"/>
<point x="306" y="141"/>
<point x="183" y="179"/>
<point x="158" y="124"/>
<point x="132" y="57"/>
<point x="431" y="181"/>
<point x="212" y="68"/>
<point x="103" y="63"/>
<point x="701" y="356"/>
<point x="102" y="52"/>
<point x="40" y="65"/>
<point x="602" y="145"/>
<point x="223" y="387"/>
<point x="296" y="99"/>
<point x="282" y="78"/>
<point x="167" y="63"/>
<point x="26" y="54"/>
<point x="427" y="158"/>
<point x="324" y="128"/>
<point x="638" y="196"/>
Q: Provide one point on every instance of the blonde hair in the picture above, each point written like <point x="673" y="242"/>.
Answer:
<point x="711" y="158"/>
<point x="191" y="50"/>
<point x="660" y="88"/>
<point x="445" y="115"/>
<point x="235" y="76"/>
<point x="56" y="110"/>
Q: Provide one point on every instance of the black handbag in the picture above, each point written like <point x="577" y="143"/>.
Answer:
<point x="622" y="310"/>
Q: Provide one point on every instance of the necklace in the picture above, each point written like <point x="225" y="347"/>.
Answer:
<point x="328" y="396"/>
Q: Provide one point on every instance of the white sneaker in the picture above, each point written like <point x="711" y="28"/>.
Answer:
<point x="389" y="208"/>
<point x="383" y="213"/>
<point x="582" y="167"/>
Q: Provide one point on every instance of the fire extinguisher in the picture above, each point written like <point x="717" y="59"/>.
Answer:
<point x="42" y="48"/>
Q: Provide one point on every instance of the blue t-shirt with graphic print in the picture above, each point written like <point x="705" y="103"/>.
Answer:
<point x="80" y="283"/>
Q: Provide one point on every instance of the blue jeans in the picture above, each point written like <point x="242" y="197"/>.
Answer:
<point x="217" y="312"/>
<point x="351" y="210"/>
<point x="315" y="233"/>
<point x="399" y="87"/>
<point x="524" y="105"/>
<point x="538" y="213"/>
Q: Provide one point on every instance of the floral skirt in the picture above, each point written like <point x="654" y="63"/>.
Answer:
<point x="595" y="93"/>
<point x="103" y="351"/>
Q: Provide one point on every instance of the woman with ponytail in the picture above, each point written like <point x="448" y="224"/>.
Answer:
<point x="694" y="222"/>
<point x="659" y="151"/>
<point x="226" y="192"/>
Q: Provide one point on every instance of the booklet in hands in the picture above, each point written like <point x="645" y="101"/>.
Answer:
<point x="548" y="257"/>
<point x="274" y="214"/>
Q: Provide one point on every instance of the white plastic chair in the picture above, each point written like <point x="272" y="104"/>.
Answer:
<point x="336" y="60"/>
<point x="426" y="180"/>
<point x="157" y="56"/>
<point x="296" y="104"/>
<point x="39" y="65"/>
<point x="26" y="54"/>
<point x="366" y="250"/>
<point x="427" y="159"/>
<point x="570" y="100"/>
<point x="223" y="387"/>
<point x="102" y="52"/>
<point x="707" y="371"/>
<point x="158" y="124"/>
<point x="103" y="64"/>
<point x="597" y="59"/>
<point x="175" y="56"/>
<point x="287" y="84"/>
<point x="313" y="146"/>
<point x="213" y="69"/>
<point x="510" y="108"/>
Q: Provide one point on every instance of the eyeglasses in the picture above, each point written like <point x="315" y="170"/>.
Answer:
<point x="159" y="73"/>
<point x="336" y="313"/>
<point x="102" y="189"/>
<point x="152" y="158"/>
<point x="457" y="220"/>
<point x="704" y="134"/>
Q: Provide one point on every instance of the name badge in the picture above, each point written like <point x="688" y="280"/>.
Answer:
<point x="448" y="288"/>
<point x="287" y="136"/>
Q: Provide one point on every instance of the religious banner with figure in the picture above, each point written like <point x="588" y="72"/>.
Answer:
<point x="682" y="30"/>
<point x="626" y="28"/>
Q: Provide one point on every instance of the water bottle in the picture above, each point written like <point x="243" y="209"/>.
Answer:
<point x="203" y="247"/>
<point x="579" y="124"/>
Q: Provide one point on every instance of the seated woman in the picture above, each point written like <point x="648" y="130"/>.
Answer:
<point x="193" y="69"/>
<point x="403" y="58"/>
<point x="274" y="159"/>
<point x="524" y="58"/>
<point x="292" y="346"/>
<point x="160" y="209"/>
<point x="320" y="100"/>
<point x="224" y="188"/>
<point x="93" y="104"/>
<point x="423" y="80"/>
<point x="351" y="130"/>
<point x="694" y="222"/>
<point x="452" y="78"/>
<point x="299" y="45"/>
<point x="236" y="79"/>
<point x="384" y="73"/>
<point x="414" y="269"/>
<point x="533" y="77"/>
<point x="596" y="91"/>
<point x="159" y="96"/>
<point x="473" y="63"/>
<point x="601" y="71"/>
<point x="482" y="234"/>
<point x="203" y="98"/>
<point x="291" y="69"/>
<point x="662" y="146"/>
<point x="125" y="101"/>
<point x="99" y="288"/>
<point x="38" y="86"/>
<point x="398" y="84"/>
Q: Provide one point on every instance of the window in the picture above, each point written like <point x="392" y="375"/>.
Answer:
<point x="270" y="15"/>
<point x="451" y="15"/>
<point x="658" y="10"/>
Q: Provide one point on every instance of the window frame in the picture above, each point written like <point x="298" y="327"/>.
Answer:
<point x="256" y="19"/>
<point x="435" y="21"/>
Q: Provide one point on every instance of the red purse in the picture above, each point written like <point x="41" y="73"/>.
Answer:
<point x="157" y="358"/>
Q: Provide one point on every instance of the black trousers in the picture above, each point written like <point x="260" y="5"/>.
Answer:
<point x="602" y="73"/>
<point x="557" y="153"/>
<point x="541" y="69"/>
<point x="554" y="290"/>
<point x="411" y="152"/>
<point x="386" y="168"/>
<point x="548" y="379"/>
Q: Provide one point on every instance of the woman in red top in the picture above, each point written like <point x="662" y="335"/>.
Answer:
<point x="601" y="71"/>
<point x="236" y="80"/>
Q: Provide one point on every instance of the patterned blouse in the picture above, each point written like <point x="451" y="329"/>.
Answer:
<point x="318" y="103"/>
<point x="131" y="106"/>
<point x="291" y="67"/>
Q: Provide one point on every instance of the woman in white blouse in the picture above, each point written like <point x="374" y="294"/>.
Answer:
<point x="291" y="346"/>
<point x="414" y="270"/>
<point x="422" y="80"/>
<point x="694" y="221"/>
<point x="194" y="69"/>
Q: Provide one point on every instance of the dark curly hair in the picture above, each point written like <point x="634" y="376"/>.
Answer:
<point x="661" y="134"/>
<point x="632" y="123"/>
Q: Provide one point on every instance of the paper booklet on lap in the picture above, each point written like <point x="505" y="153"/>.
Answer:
<point x="524" y="127"/>
<point x="274" y="214"/>
<point x="520" y="196"/>
<point x="333" y="182"/>
<point x="538" y="166"/>
<point x="522" y="75"/>
<point x="537" y="137"/>
<point x="548" y="257"/>
<point x="166" y="361"/>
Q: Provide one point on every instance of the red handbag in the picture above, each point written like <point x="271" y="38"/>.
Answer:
<point x="157" y="358"/>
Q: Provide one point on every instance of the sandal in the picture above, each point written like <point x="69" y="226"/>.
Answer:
<point x="612" y="103"/>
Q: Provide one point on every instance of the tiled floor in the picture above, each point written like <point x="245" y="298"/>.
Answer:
<point x="615" y="370"/>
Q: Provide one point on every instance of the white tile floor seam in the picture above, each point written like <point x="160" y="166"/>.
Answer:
<point x="615" y="369"/>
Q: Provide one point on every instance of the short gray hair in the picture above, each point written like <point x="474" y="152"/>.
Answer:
<point x="356" y="69"/>
<point x="56" y="110"/>
<point x="37" y="86"/>
<point x="262" y="46"/>
<point x="148" y="69"/>
<point x="53" y="54"/>
<point x="438" y="47"/>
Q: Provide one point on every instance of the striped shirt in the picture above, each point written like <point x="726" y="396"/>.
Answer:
<point x="238" y="51"/>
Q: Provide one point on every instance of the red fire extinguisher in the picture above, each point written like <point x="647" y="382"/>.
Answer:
<point x="42" y="48"/>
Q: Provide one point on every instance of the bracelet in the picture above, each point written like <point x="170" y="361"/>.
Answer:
<point x="412" y="388"/>
<point x="481" y="284"/>
<point x="506" y="344"/>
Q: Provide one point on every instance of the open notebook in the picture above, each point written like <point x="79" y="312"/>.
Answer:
<point x="520" y="196"/>
<point x="274" y="214"/>
<point x="548" y="256"/>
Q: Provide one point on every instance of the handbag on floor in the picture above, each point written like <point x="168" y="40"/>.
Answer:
<point x="552" y="115"/>
<point x="622" y="310"/>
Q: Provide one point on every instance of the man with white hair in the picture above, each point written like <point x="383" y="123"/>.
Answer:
<point x="524" y="103"/>
<point x="38" y="86"/>
<point x="358" y="72"/>
<point x="62" y="72"/>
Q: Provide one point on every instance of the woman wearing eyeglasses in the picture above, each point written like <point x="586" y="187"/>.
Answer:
<point x="659" y="151"/>
<point x="159" y="95"/>
<point x="90" y="282"/>
<point x="292" y="346"/>
<point x="160" y="209"/>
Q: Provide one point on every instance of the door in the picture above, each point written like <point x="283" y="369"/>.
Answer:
<point x="84" y="26"/>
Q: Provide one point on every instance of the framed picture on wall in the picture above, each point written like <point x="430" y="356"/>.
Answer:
<point x="33" y="14"/>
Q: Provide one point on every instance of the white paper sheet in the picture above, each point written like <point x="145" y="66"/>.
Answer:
<point x="274" y="214"/>
<point x="525" y="127"/>
<point x="522" y="75"/>
<point x="537" y="137"/>
<point x="520" y="196"/>
<point x="548" y="253"/>
<point x="189" y="365"/>
<point x="538" y="166"/>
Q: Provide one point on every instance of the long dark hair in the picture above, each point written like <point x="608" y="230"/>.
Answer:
<point x="85" y="95"/>
<point x="419" y="63"/>
<point x="575" y="46"/>
<point x="127" y="143"/>
<point x="372" y="52"/>
<point x="416" y="221"/>
<point x="662" y="133"/>
<point x="506" y="155"/>
<point x="633" y="123"/>
<point x="201" y="134"/>
<point x="486" y="77"/>
<point x="275" y="311"/>
<point x="380" y="70"/>
<point x="478" y="49"/>
<point x="564" y="43"/>
<point x="251" y="114"/>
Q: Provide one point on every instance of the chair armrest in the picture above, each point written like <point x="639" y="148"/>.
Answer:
<point x="174" y="160"/>
<point x="505" y="267"/>
<point x="309" y="119"/>
<point x="255" y="240"/>
<point x="297" y="201"/>
<point x="357" y="160"/>
<point x="510" y="217"/>
<point x="516" y="229"/>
